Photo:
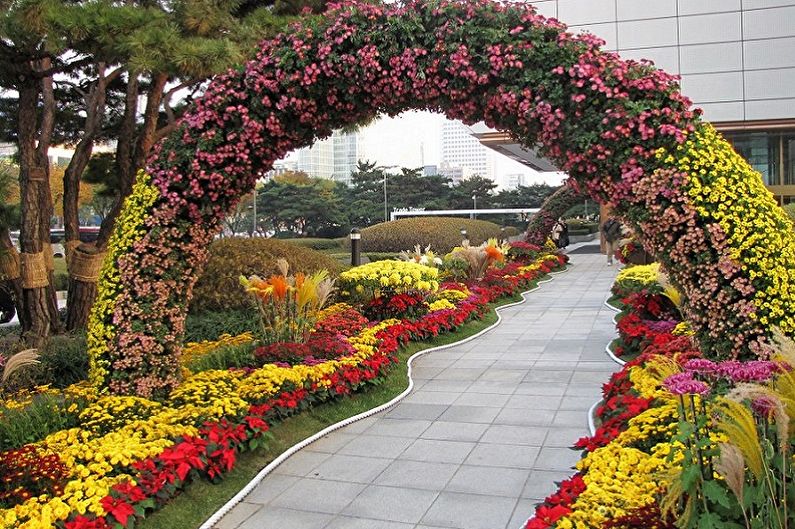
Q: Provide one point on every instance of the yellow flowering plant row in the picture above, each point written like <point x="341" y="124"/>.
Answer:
<point x="109" y="458"/>
<point x="120" y="431"/>
<point x="373" y="279"/>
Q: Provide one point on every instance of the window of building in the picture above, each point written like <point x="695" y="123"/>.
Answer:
<point x="762" y="150"/>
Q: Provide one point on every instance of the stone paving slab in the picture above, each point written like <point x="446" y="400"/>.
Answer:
<point x="481" y="439"/>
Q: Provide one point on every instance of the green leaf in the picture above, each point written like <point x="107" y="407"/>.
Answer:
<point x="710" y="520"/>
<point x="716" y="493"/>
<point x="690" y="476"/>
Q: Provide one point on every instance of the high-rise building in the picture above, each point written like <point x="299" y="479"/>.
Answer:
<point x="736" y="59"/>
<point x="514" y="180"/>
<point x="461" y="149"/>
<point x="455" y="174"/>
<point x="334" y="157"/>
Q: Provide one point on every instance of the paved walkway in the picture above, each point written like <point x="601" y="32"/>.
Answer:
<point x="477" y="444"/>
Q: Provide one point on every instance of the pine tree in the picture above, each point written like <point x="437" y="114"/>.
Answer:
<point x="80" y="70"/>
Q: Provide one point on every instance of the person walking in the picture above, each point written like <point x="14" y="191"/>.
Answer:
<point x="611" y="230"/>
<point x="562" y="233"/>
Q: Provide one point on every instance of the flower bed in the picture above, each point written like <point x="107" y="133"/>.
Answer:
<point x="682" y="442"/>
<point x="130" y="454"/>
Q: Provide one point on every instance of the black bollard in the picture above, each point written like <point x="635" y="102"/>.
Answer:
<point x="356" y="249"/>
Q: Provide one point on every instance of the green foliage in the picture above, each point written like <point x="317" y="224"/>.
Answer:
<point x="582" y="227"/>
<point x="381" y="256"/>
<point x="62" y="361"/>
<point x="315" y="243"/>
<point x="314" y="208"/>
<point x="224" y="358"/>
<point x="510" y="231"/>
<point x="44" y="415"/>
<point x="219" y="288"/>
<point x="209" y="325"/>
<point x="9" y="213"/>
<point x="441" y="233"/>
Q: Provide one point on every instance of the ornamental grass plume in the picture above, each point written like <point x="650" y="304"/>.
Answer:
<point x="668" y="289"/>
<point x="22" y="359"/>
<point x="737" y="422"/>
<point x="289" y="305"/>
<point x="479" y="258"/>
<point x="424" y="257"/>
<point x="731" y="465"/>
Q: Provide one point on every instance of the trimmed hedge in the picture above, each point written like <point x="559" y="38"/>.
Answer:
<point x="219" y="286"/>
<point x="315" y="243"/>
<point x="442" y="233"/>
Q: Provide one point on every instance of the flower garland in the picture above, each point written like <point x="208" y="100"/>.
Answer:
<point x="610" y="124"/>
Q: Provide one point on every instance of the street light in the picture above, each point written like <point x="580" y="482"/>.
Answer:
<point x="474" y="206"/>
<point x="253" y="230"/>
<point x="463" y="235"/>
<point x="383" y="168"/>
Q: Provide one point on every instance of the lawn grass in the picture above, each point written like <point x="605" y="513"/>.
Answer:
<point x="202" y="499"/>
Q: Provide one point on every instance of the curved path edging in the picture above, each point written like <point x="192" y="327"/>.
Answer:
<point x="237" y="498"/>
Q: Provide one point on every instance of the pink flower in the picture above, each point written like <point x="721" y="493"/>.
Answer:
<point x="685" y="384"/>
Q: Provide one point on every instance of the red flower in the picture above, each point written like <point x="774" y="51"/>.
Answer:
<point x="118" y="508"/>
<point x="83" y="522"/>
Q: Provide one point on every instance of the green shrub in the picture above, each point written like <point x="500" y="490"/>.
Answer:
<point x="62" y="361"/>
<point x="44" y="415"/>
<point x="315" y="243"/>
<point x="209" y="325"/>
<point x="61" y="281"/>
<point x="381" y="256"/>
<point x="582" y="227"/>
<point x="224" y="358"/>
<point x="510" y="231"/>
<point x="219" y="286"/>
<point x="441" y="233"/>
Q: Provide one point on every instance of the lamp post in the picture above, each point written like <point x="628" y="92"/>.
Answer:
<point x="474" y="206"/>
<point x="464" y="239"/>
<point x="253" y="228"/>
<point x="384" y="168"/>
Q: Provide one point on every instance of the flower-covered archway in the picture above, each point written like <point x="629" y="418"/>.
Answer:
<point x="621" y="129"/>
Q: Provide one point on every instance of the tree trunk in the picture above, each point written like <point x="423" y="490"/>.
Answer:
<point x="35" y="314"/>
<point x="82" y="292"/>
<point x="12" y="282"/>
<point x="81" y="296"/>
<point x="45" y="193"/>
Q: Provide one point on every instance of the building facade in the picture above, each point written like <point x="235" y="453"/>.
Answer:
<point x="736" y="59"/>
<point x="333" y="158"/>
<point x="462" y="150"/>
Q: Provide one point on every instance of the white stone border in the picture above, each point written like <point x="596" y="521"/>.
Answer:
<point x="237" y="498"/>
<point x="612" y="355"/>
<point x="592" y="417"/>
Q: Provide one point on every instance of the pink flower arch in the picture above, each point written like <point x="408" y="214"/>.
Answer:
<point x="602" y="119"/>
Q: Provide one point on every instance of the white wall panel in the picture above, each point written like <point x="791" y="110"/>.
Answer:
<point x="705" y="58"/>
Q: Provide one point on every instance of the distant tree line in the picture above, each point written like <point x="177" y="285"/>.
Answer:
<point x="296" y="205"/>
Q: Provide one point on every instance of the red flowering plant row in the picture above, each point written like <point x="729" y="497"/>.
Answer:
<point x="215" y="449"/>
